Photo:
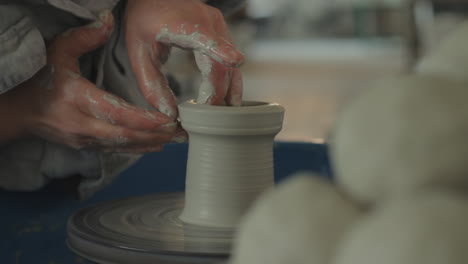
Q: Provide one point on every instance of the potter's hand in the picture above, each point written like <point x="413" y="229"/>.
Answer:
<point x="154" y="26"/>
<point x="60" y="105"/>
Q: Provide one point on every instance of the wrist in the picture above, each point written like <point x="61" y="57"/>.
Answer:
<point x="12" y="117"/>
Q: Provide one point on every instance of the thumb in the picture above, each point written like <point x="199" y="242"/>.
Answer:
<point x="81" y="40"/>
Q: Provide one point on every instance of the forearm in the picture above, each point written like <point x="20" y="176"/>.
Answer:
<point x="11" y="118"/>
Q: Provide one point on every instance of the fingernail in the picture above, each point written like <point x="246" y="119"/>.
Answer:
<point x="72" y="74"/>
<point x="179" y="139"/>
<point x="169" y="127"/>
<point x="167" y="110"/>
<point x="103" y="19"/>
<point x="149" y="115"/>
<point x="121" y="140"/>
<point x="236" y="100"/>
<point x="236" y="56"/>
<point x="180" y="136"/>
<point x="95" y="24"/>
<point x="68" y="32"/>
<point x="104" y="15"/>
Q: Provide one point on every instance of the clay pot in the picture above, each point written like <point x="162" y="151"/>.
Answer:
<point x="230" y="159"/>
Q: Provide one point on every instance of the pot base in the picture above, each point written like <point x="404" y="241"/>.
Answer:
<point x="145" y="229"/>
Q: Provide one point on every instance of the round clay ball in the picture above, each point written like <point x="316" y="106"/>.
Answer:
<point x="299" y="222"/>
<point x="450" y="58"/>
<point x="427" y="229"/>
<point x="402" y="135"/>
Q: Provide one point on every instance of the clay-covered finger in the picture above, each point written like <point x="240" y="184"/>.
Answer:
<point x="81" y="40"/>
<point x="216" y="78"/>
<point x="114" y="110"/>
<point x="234" y="93"/>
<point x="151" y="80"/>
<point x="199" y="38"/>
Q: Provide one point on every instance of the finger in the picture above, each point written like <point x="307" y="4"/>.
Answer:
<point x="222" y="28"/>
<point x="114" y="110"/>
<point x="234" y="93"/>
<point x="134" y="150"/>
<point x="180" y="136"/>
<point x="215" y="80"/>
<point x="151" y="80"/>
<point x="204" y="40"/>
<point x="78" y="41"/>
<point x="99" y="134"/>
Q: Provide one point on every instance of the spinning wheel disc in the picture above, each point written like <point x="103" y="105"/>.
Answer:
<point x="145" y="229"/>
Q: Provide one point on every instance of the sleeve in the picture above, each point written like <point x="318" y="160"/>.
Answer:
<point x="84" y="8"/>
<point x="226" y="6"/>
<point x="30" y="163"/>
<point x="87" y="9"/>
<point x="22" y="49"/>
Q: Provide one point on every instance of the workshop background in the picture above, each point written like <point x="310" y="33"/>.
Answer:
<point x="313" y="56"/>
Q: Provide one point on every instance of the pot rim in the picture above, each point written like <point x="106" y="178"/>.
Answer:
<point x="247" y="107"/>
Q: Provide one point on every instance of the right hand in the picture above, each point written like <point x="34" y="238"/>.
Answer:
<point x="152" y="27"/>
<point x="60" y="105"/>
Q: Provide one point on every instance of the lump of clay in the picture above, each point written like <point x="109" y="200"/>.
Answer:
<point x="450" y="59"/>
<point x="403" y="135"/>
<point x="299" y="222"/>
<point x="429" y="228"/>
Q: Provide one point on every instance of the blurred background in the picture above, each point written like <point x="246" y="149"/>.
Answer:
<point x="311" y="56"/>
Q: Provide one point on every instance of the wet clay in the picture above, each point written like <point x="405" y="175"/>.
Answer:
<point x="230" y="159"/>
<point x="230" y="162"/>
<point x="205" y="65"/>
<point x="195" y="39"/>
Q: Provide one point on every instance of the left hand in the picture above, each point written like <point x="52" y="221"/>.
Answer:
<point x="60" y="105"/>
<point x="152" y="27"/>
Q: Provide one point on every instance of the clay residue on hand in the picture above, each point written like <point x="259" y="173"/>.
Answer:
<point x="124" y="105"/>
<point x="115" y="101"/>
<point x="90" y="98"/>
<point x="164" y="108"/>
<point x="112" y="100"/>
<point x="94" y="109"/>
<point x="149" y="115"/>
<point x="206" y="90"/>
<point x="119" y="140"/>
<point x="72" y="74"/>
<point x="95" y="24"/>
<point x="162" y="103"/>
<point x="194" y="40"/>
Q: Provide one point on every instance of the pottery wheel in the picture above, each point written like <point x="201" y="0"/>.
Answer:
<point x="145" y="229"/>
<point x="230" y="162"/>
